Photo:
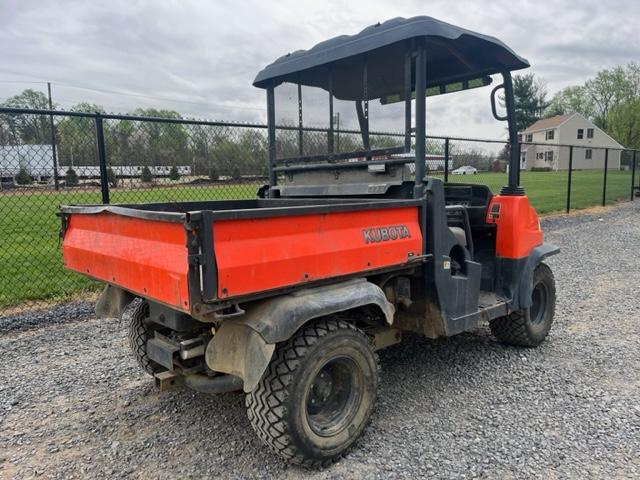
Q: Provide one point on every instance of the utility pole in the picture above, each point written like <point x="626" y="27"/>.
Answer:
<point x="53" y="141"/>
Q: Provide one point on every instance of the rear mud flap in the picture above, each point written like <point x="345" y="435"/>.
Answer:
<point x="239" y="350"/>
<point x="112" y="302"/>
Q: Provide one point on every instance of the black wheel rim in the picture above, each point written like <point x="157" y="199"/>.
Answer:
<point x="334" y="396"/>
<point x="539" y="299"/>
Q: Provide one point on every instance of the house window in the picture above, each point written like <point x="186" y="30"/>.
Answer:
<point x="529" y="137"/>
<point x="580" y="134"/>
<point x="549" y="135"/>
<point x="589" y="132"/>
<point x="587" y="154"/>
<point x="539" y="156"/>
<point x="548" y="156"/>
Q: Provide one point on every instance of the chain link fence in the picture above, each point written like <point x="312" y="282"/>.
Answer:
<point x="53" y="158"/>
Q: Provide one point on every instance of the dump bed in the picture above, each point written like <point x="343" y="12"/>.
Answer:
<point x="186" y="255"/>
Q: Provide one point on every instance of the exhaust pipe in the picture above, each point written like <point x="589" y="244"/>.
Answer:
<point x="218" y="384"/>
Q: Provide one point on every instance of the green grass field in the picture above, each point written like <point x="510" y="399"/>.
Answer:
<point x="30" y="258"/>
<point x="547" y="191"/>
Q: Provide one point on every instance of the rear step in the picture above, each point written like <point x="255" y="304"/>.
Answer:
<point x="491" y="306"/>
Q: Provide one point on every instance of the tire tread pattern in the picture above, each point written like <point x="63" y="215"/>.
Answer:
<point x="266" y="403"/>
<point x="513" y="328"/>
<point x="139" y="333"/>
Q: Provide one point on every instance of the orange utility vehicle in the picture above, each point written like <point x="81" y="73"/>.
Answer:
<point x="289" y="295"/>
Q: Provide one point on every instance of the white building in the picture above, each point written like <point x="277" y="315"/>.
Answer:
<point x="37" y="160"/>
<point x="570" y="129"/>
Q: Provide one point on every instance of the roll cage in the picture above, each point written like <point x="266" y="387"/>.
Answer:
<point x="391" y="62"/>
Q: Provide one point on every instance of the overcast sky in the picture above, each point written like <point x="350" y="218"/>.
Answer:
<point x="200" y="57"/>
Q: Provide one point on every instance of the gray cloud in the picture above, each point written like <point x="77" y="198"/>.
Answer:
<point x="200" y="57"/>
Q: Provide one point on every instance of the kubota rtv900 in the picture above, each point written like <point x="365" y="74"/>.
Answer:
<point x="289" y="295"/>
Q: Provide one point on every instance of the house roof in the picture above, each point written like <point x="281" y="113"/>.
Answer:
<point x="454" y="54"/>
<point x="546" y="123"/>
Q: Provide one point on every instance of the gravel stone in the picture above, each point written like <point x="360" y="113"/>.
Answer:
<point x="74" y="403"/>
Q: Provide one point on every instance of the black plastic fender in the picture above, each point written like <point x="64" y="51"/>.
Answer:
<point x="522" y="298"/>
<point x="279" y="318"/>
<point x="243" y="346"/>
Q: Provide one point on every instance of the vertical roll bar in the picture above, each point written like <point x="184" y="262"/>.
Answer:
<point x="271" y="133"/>
<point x="407" y="101"/>
<point x="421" y="89"/>
<point x="514" y="156"/>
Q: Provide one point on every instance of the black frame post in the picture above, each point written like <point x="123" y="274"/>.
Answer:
<point x="446" y="160"/>
<point x="519" y="159"/>
<point x="421" y="89"/>
<point x="54" y="151"/>
<point x="330" y="139"/>
<point x="633" y="176"/>
<point x="271" y="134"/>
<point x="102" y="158"/>
<point x="514" y="159"/>
<point x="604" y="184"/>
<point x="300" y="136"/>
<point x="569" y="178"/>
<point x="407" y="102"/>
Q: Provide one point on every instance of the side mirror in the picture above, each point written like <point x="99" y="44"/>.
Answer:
<point x="493" y="104"/>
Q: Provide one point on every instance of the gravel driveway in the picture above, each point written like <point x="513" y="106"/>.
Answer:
<point x="73" y="403"/>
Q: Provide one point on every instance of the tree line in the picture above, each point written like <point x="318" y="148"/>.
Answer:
<point x="216" y="151"/>
<point x="611" y="100"/>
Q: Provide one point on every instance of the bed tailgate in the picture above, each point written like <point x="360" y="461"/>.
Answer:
<point x="145" y="256"/>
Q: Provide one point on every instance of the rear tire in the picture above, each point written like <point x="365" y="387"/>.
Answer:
<point x="530" y="327"/>
<point x="317" y="394"/>
<point x="140" y="331"/>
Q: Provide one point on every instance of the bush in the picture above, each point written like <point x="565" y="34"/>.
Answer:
<point x="112" y="178"/>
<point x="235" y="173"/>
<point x="146" y="176"/>
<point x="174" y="174"/>
<point x="540" y="169"/>
<point x="23" y="177"/>
<point x="213" y="174"/>
<point x="71" y="178"/>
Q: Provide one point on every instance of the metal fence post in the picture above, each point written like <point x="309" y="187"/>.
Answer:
<point x="446" y="160"/>
<point x="604" y="185"/>
<point x="569" y="179"/>
<point x="633" y="175"/>
<point x="102" y="158"/>
<point x="54" y="152"/>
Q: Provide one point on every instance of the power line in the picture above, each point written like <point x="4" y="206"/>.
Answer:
<point x="141" y="95"/>
<point x="130" y="94"/>
<point x="22" y="81"/>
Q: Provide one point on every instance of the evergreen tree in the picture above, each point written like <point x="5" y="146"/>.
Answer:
<point x="147" y="176"/>
<point x="71" y="178"/>
<point x="23" y="177"/>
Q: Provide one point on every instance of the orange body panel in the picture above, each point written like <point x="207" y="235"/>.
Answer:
<point x="256" y="255"/>
<point x="518" y="229"/>
<point x="146" y="257"/>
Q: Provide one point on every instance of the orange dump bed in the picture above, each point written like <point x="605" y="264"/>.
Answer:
<point x="228" y="250"/>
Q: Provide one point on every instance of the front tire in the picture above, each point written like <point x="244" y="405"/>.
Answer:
<point x="530" y="327"/>
<point x="317" y="394"/>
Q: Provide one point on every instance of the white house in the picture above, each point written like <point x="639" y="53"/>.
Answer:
<point x="569" y="129"/>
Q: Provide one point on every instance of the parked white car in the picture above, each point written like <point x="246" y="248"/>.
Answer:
<point x="466" y="170"/>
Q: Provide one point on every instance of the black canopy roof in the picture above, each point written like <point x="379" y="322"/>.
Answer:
<point x="453" y="54"/>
